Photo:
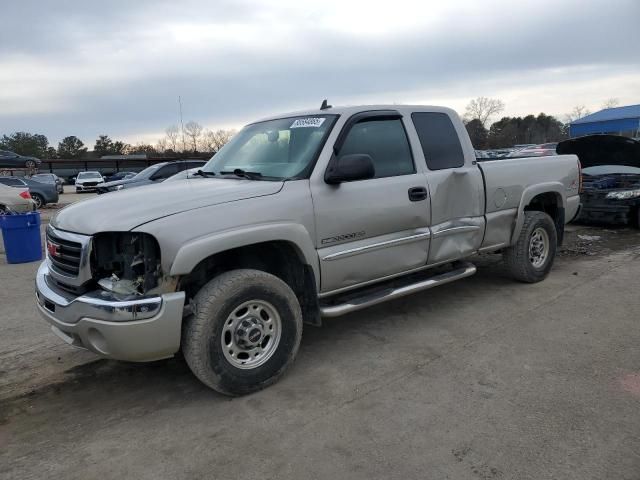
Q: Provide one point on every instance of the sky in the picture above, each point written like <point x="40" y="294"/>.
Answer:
<point x="117" y="67"/>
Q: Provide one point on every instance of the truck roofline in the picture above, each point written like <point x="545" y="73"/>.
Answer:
<point x="352" y="109"/>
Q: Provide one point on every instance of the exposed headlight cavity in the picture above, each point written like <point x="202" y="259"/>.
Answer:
<point x="126" y="262"/>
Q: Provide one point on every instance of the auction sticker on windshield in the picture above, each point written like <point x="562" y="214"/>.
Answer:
<point x="307" y="122"/>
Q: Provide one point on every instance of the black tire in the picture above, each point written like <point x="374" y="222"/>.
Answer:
<point x="39" y="199"/>
<point x="517" y="258"/>
<point x="213" y="306"/>
<point x="30" y="164"/>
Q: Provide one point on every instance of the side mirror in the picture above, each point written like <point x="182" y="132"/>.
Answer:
<point x="347" y="168"/>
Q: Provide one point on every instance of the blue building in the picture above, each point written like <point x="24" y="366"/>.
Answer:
<point x="618" y="121"/>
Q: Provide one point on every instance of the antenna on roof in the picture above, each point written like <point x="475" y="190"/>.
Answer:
<point x="324" y="105"/>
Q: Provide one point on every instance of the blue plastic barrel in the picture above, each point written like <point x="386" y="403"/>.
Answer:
<point x="21" y="235"/>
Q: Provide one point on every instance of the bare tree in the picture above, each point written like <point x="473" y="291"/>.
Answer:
<point x="214" y="140"/>
<point x="222" y="137"/>
<point x="172" y="133"/>
<point x="611" y="103"/>
<point x="207" y="143"/>
<point x="193" y="130"/>
<point x="483" y="108"/>
<point x="578" y="112"/>
<point x="161" y="146"/>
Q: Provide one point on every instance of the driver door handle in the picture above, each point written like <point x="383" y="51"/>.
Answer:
<point x="417" y="194"/>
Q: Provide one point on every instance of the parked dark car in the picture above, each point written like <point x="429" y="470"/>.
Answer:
<point x="119" y="176"/>
<point x="50" y="178"/>
<point x="42" y="193"/>
<point x="610" y="177"/>
<point x="154" y="174"/>
<point x="13" y="160"/>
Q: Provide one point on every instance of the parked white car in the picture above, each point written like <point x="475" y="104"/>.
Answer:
<point x="88" y="181"/>
<point x="17" y="200"/>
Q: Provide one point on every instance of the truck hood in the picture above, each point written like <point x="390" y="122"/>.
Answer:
<point x="126" y="209"/>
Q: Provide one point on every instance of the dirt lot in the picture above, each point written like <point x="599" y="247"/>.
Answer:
<point x="479" y="379"/>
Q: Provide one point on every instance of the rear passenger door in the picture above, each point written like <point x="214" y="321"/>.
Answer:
<point x="456" y="187"/>
<point x="370" y="229"/>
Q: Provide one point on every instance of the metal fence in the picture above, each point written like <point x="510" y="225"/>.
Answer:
<point x="69" y="168"/>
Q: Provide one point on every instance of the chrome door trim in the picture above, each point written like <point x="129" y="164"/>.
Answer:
<point x="454" y="230"/>
<point x="376" y="246"/>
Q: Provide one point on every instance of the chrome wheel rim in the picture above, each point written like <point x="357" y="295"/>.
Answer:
<point x="538" y="247"/>
<point x="251" y="334"/>
<point x="38" y="200"/>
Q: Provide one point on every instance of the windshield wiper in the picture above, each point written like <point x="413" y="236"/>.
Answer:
<point x="202" y="173"/>
<point x="238" y="172"/>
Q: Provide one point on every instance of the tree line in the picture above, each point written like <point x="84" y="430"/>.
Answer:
<point x="510" y="131"/>
<point x="193" y="138"/>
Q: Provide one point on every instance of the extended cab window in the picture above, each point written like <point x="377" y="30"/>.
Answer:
<point x="439" y="140"/>
<point x="385" y="141"/>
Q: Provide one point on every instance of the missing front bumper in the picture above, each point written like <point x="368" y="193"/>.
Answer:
<point x="138" y="330"/>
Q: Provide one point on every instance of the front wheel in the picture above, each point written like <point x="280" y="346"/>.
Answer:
<point x="531" y="258"/>
<point x="244" y="332"/>
<point x="30" y="164"/>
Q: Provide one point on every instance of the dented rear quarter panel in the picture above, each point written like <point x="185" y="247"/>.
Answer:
<point x="511" y="184"/>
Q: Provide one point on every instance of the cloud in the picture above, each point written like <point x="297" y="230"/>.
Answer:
<point x="84" y="68"/>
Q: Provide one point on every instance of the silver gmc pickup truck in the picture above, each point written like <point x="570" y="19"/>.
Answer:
<point x="299" y="217"/>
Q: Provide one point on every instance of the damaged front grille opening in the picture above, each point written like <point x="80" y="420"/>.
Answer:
<point x="126" y="263"/>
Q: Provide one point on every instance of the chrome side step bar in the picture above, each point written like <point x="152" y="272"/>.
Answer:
<point x="370" y="298"/>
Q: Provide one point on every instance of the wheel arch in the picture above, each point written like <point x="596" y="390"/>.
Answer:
<point x="200" y="261"/>
<point x="549" y="198"/>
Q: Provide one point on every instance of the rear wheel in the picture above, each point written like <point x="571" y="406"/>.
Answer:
<point x="531" y="258"/>
<point x="30" y="164"/>
<point x="39" y="199"/>
<point x="244" y="333"/>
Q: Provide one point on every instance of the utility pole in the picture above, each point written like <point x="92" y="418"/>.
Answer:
<point x="184" y="145"/>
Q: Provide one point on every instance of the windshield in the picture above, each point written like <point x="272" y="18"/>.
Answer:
<point x="147" y="172"/>
<point x="89" y="175"/>
<point x="276" y="149"/>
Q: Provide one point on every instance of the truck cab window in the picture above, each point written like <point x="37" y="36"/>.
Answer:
<point x="385" y="141"/>
<point x="439" y="140"/>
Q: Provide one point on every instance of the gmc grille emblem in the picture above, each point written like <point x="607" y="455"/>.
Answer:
<point x="52" y="248"/>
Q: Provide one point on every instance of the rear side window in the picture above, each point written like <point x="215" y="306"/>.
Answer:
<point x="439" y="140"/>
<point x="385" y="141"/>
<point x="12" y="182"/>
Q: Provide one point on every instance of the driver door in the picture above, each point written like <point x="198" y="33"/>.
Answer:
<point x="370" y="229"/>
